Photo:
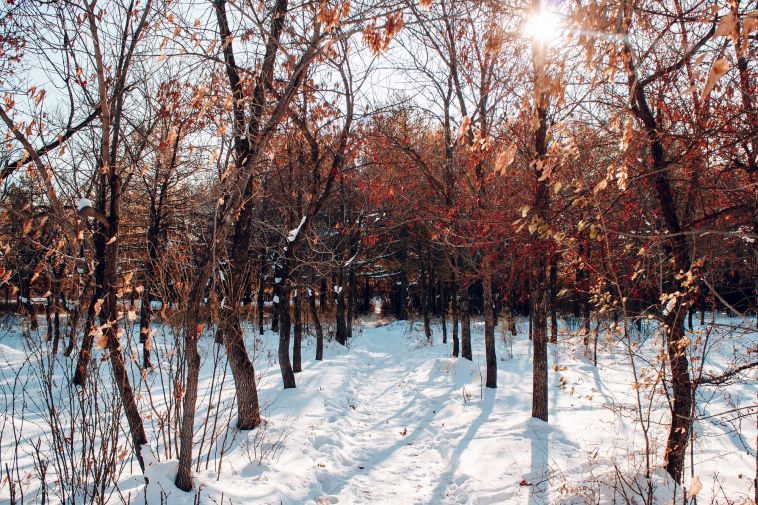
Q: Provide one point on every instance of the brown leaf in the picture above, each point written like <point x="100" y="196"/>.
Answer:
<point x="101" y="340"/>
<point x="505" y="159"/>
<point x="726" y="26"/>
<point x="718" y="69"/>
<point x="600" y="186"/>
<point x="695" y="487"/>
<point x="463" y="129"/>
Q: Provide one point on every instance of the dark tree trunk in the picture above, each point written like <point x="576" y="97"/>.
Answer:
<point x="539" y="284"/>
<point x="539" y="338"/>
<point x="465" y="325"/>
<point x="93" y="311"/>
<point x="73" y="323"/>
<point x="681" y="387"/>
<point x="401" y="302"/>
<point x="49" y="319"/>
<point x="316" y="325"/>
<point x="25" y="302"/>
<point x="351" y="292"/>
<point x="297" y="361"/>
<point x="275" y="311"/>
<point x="288" y="376"/>
<point x="456" y="343"/>
<point x="531" y="321"/>
<point x="56" y="328"/>
<point x="424" y="283"/>
<point x="230" y="331"/>
<point x="489" y="326"/>
<point x="322" y="298"/>
<point x="189" y="402"/>
<point x="341" y="331"/>
<point x="243" y="371"/>
<point x="57" y="305"/>
<point x="366" y="295"/>
<point x="261" y="291"/>
<point x="145" y="323"/>
<point x="443" y="311"/>
<point x="553" y="299"/>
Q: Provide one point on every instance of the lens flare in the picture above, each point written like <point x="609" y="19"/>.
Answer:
<point x="543" y="26"/>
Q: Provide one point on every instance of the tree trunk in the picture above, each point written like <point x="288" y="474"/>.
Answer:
<point x="316" y="325"/>
<point x="424" y="282"/>
<point x="366" y="295"/>
<point x="48" y="319"/>
<point x="243" y="371"/>
<point x="277" y="302"/>
<point x="192" y="330"/>
<point x="322" y="295"/>
<point x="351" y="292"/>
<point x="297" y="365"/>
<point x="681" y="405"/>
<point x="57" y="305"/>
<point x="465" y="325"/>
<point x="288" y="376"/>
<point x="95" y="304"/>
<point x="553" y="299"/>
<point x="456" y="343"/>
<point x="539" y="287"/>
<point x="73" y="322"/>
<point x="145" y="323"/>
<point x="489" y="326"/>
<point x="443" y="311"/>
<point x="539" y="338"/>
<point x="401" y="302"/>
<point x="261" y="291"/>
<point x="341" y="332"/>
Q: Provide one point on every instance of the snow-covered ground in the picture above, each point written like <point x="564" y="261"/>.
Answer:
<point x="395" y="420"/>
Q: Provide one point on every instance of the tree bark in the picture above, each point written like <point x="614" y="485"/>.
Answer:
<point x="297" y="365"/>
<point x="341" y="331"/>
<point x="288" y="376"/>
<point x="443" y="311"/>
<point x="261" y="292"/>
<point x="541" y="206"/>
<point x="465" y="325"/>
<point x="456" y="343"/>
<point x="351" y="292"/>
<point x="676" y="345"/>
<point x="425" y="301"/>
<point x="489" y="325"/>
<point x="192" y="330"/>
<point x="316" y="325"/>
<point x="553" y="299"/>
<point x="145" y="320"/>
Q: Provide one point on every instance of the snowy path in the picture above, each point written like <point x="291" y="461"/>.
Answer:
<point x="402" y="432"/>
<point x="381" y="442"/>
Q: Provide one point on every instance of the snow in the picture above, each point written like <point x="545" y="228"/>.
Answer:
<point x="292" y="235"/>
<point x="394" y="420"/>
<point x="670" y="304"/>
<point x="83" y="204"/>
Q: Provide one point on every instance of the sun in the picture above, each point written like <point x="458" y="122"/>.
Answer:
<point x="543" y="26"/>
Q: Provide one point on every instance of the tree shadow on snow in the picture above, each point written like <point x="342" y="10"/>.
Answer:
<point x="488" y="403"/>
<point x="539" y="470"/>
